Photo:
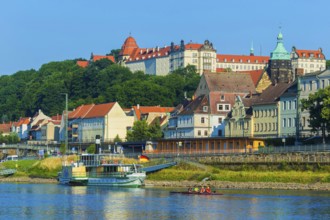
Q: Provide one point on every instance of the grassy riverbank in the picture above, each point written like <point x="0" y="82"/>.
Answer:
<point x="186" y="174"/>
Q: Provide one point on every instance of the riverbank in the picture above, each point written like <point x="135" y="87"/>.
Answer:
<point x="240" y="185"/>
<point x="185" y="184"/>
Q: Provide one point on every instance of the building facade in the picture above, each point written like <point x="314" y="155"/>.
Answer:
<point x="307" y="61"/>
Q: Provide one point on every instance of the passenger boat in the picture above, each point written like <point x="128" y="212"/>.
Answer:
<point x="101" y="170"/>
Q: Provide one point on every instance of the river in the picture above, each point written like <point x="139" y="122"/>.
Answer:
<point x="51" y="201"/>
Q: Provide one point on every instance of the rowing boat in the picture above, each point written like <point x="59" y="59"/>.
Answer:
<point x="197" y="193"/>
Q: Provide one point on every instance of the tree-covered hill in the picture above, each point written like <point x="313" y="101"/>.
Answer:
<point x="24" y="92"/>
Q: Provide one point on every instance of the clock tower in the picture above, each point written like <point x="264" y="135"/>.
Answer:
<point x="279" y="66"/>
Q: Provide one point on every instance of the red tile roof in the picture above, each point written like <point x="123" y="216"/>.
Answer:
<point x="91" y="111"/>
<point x="150" y="109"/>
<point x="128" y="46"/>
<point x="98" y="57"/>
<point x="192" y="46"/>
<point x="80" y="112"/>
<point x="22" y="121"/>
<point x="5" y="128"/>
<point x="57" y="117"/>
<point x="310" y="53"/>
<point x="82" y="63"/>
<point x="100" y="110"/>
<point x="255" y="75"/>
<point x="149" y="53"/>
<point x="241" y="59"/>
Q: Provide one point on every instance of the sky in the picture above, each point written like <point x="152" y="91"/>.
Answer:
<point x="37" y="32"/>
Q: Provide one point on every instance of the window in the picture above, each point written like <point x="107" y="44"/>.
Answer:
<point x="284" y="122"/>
<point x="322" y="83"/>
<point x="205" y="133"/>
<point x="265" y="126"/>
<point x="284" y="105"/>
<point x="199" y="133"/>
<point x="310" y="85"/>
<point x="205" y="108"/>
<point x="295" y="104"/>
<point x="220" y="107"/>
<point x="220" y="120"/>
<point x="222" y="98"/>
<point x="289" y="122"/>
<point x="227" y="108"/>
<point x="290" y="105"/>
<point x="202" y="120"/>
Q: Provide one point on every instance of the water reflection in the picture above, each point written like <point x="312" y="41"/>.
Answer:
<point x="40" y="201"/>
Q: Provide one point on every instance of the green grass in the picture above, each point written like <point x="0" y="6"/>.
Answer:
<point x="181" y="172"/>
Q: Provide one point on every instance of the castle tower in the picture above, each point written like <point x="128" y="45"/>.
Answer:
<point x="279" y="66"/>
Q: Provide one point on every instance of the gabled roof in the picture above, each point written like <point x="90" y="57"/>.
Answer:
<point x="215" y="99"/>
<point x="100" y="110"/>
<point x="196" y="106"/>
<point x="80" y="112"/>
<point x="309" y="53"/>
<point x="255" y="75"/>
<point x="23" y="121"/>
<point x="141" y="110"/>
<point x="227" y="58"/>
<point x="230" y="82"/>
<point x="272" y="93"/>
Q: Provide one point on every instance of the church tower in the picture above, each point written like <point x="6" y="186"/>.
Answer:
<point x="279" y="66"/>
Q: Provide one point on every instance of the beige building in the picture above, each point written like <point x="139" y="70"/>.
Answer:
<point x="106" y="120"/>
<point x="307" y="61"/>
<point x="239" y="63"/>
<point x="202" y="56"/>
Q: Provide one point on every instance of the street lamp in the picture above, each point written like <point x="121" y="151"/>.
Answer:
<point x="66" y="120"/>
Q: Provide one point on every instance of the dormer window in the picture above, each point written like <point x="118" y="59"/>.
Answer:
<point x="222" y="98"/>
<point x="232" y="60"/>
<point x="304" y="55"/>
<point x="225" y="60"/>
<point x="240" y="60"/>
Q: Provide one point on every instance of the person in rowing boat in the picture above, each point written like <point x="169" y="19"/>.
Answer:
<point x="190" y="190"/>
<point x="202" y="190"/>
<point x="208" y="190"/>
<point x="196" y="189"/>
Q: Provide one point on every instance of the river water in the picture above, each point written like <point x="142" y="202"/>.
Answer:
<point x="51" y="201"/>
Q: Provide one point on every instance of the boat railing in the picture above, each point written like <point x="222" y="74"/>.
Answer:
<point x="112" y="174"/>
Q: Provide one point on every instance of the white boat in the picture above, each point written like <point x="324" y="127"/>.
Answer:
<point x="102" y="170"/>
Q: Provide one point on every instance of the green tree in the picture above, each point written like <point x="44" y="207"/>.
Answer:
<point x="117" y="139"/>
<point x="318" y="106"/>
<point x="91" y="149"/>
<point x="140" y="131"/>
<point x="328" y="64"/>
<point x="155" y="130"/>
<point x="62" y="148"/>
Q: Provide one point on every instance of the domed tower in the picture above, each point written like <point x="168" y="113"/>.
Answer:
<point x="279" y="66"/>
<point x="127" y="49"/>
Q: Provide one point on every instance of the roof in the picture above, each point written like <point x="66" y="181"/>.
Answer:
<point x="192" y="46"/>
<point x="24" y="121"/>
<point x="272" y="93"/>
<point x="82" y="63"/>
<point x="196" y="106"/>
<point x="91" y="111"/>
<point x="226" y="58"/>
<point x="255" y="75"/>
<point x="5" y="128"/>
<point x="141" y="110"/>
<point x="99" y="57"/>
<point x="100" y="110"/>
<point x="128" y="46"/>
<point x="148" y="53"/>
<point x="215" y="99"/>
<point x="280" y="53"/>
<point x="56" y="117"/>
<point x="309" y="53"/>
<point x="230" y="82"/>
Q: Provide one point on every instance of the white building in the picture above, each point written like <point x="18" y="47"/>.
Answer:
<point x="307" y="61"/>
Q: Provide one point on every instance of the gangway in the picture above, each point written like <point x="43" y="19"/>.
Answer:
<point x="158" y="167"/>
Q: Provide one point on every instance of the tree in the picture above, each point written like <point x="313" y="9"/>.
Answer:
<point x="155" y="130"/>
<point x="91" y="149"/>
<point x="62" y="148"/>
<point x="117" y="139"/>
<point x="140" y="131"/>
<point x="327" y="64"/>
<point x="318" y="106"/>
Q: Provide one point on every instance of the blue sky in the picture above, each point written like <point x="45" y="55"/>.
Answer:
<point x="36" y="32"/>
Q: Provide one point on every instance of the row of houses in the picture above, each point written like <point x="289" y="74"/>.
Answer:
<point x="163" y="60"/>
<point x="107" y="121"/>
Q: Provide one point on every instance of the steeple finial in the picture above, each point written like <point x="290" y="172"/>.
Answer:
<point x="251" y="49"/>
